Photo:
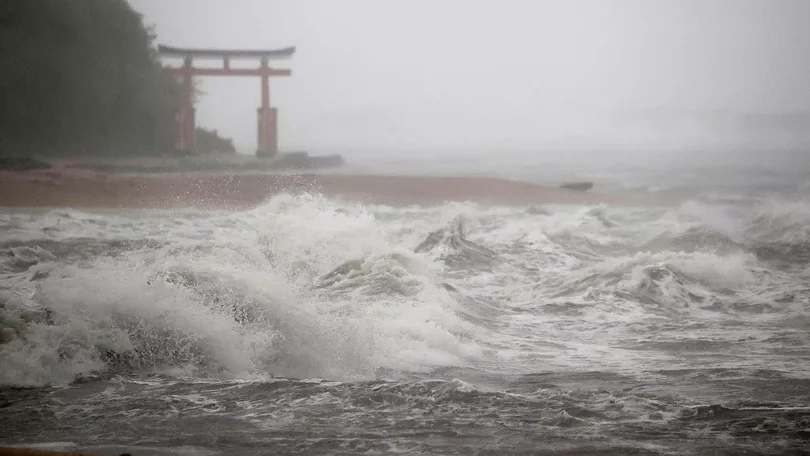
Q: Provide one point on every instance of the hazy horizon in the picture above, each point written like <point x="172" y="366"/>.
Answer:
<point x="516" y="75"/>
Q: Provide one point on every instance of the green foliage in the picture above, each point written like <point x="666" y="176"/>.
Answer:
<point x="209" y="141"/>
<point x="80" y="77"/>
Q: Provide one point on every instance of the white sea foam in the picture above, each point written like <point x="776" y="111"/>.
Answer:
<point x="240" y="295"/>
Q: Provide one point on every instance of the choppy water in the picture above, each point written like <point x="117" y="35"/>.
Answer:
<point x="309" y="327"/>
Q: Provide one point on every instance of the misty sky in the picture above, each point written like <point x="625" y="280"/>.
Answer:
<point x="455" y="74"/>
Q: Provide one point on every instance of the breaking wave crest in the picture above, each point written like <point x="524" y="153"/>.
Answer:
<point x="249" y="306"/>
<point x="303" y="287"/>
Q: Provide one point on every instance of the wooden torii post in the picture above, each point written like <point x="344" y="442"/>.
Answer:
<point x="184" y="124"/>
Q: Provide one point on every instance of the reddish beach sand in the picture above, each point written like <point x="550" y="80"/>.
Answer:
<point x="63" y="187"/>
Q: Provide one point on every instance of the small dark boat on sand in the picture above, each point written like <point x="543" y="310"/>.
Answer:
<point x="581" y="186"/>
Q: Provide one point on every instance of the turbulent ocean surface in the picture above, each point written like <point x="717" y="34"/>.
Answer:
<point x="307" y="326"/>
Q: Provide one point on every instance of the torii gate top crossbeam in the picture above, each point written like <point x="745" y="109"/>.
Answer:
<point x="227" y="55"/>
<point x="170" y="51"/>
<point x="185" y="130"/>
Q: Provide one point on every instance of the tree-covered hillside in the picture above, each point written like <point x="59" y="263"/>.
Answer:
<point x="80" y="77"/>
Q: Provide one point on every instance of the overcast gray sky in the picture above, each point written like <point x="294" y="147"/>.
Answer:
<point x="520" y="74"/>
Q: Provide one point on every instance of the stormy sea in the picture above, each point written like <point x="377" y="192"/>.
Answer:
<point x="310" y="326"/>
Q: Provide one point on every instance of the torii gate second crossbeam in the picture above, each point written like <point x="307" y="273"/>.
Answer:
<point x="184" y="125"/>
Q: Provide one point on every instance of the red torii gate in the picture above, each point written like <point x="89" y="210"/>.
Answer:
<point x="184" y="124"/>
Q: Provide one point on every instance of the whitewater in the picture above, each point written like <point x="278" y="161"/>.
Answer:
<point x="311" y="326"/>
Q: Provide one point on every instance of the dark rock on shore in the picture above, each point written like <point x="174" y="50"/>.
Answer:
<point x="581" y="186"/>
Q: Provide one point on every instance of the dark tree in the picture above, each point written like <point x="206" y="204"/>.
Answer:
<point x="80" y="77"/>
<point x="209" y="141"/>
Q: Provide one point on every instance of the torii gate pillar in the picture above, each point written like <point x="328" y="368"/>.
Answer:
<point x="267" y="125"/>
<point x="185" y="130"/>
<point x="267" y="140"/>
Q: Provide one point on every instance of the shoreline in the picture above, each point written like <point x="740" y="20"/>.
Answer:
<point x="242" y="191"/>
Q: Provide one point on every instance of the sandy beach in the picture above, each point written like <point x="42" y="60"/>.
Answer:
<point x="88" y="189"/>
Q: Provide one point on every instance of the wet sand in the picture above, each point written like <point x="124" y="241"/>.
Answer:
<point x="88" y="189"/>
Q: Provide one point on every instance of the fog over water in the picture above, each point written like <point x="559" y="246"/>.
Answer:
<point x="524" y="76"/>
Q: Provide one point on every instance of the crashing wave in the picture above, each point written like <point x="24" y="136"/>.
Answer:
<point x="454" y="247"/>
<point x="269" y="292"/>
<point x="21" y="258"/>
<point x="694" y="239"/>
<point x="665" y="283"/>
<point x="395" y="273"/>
